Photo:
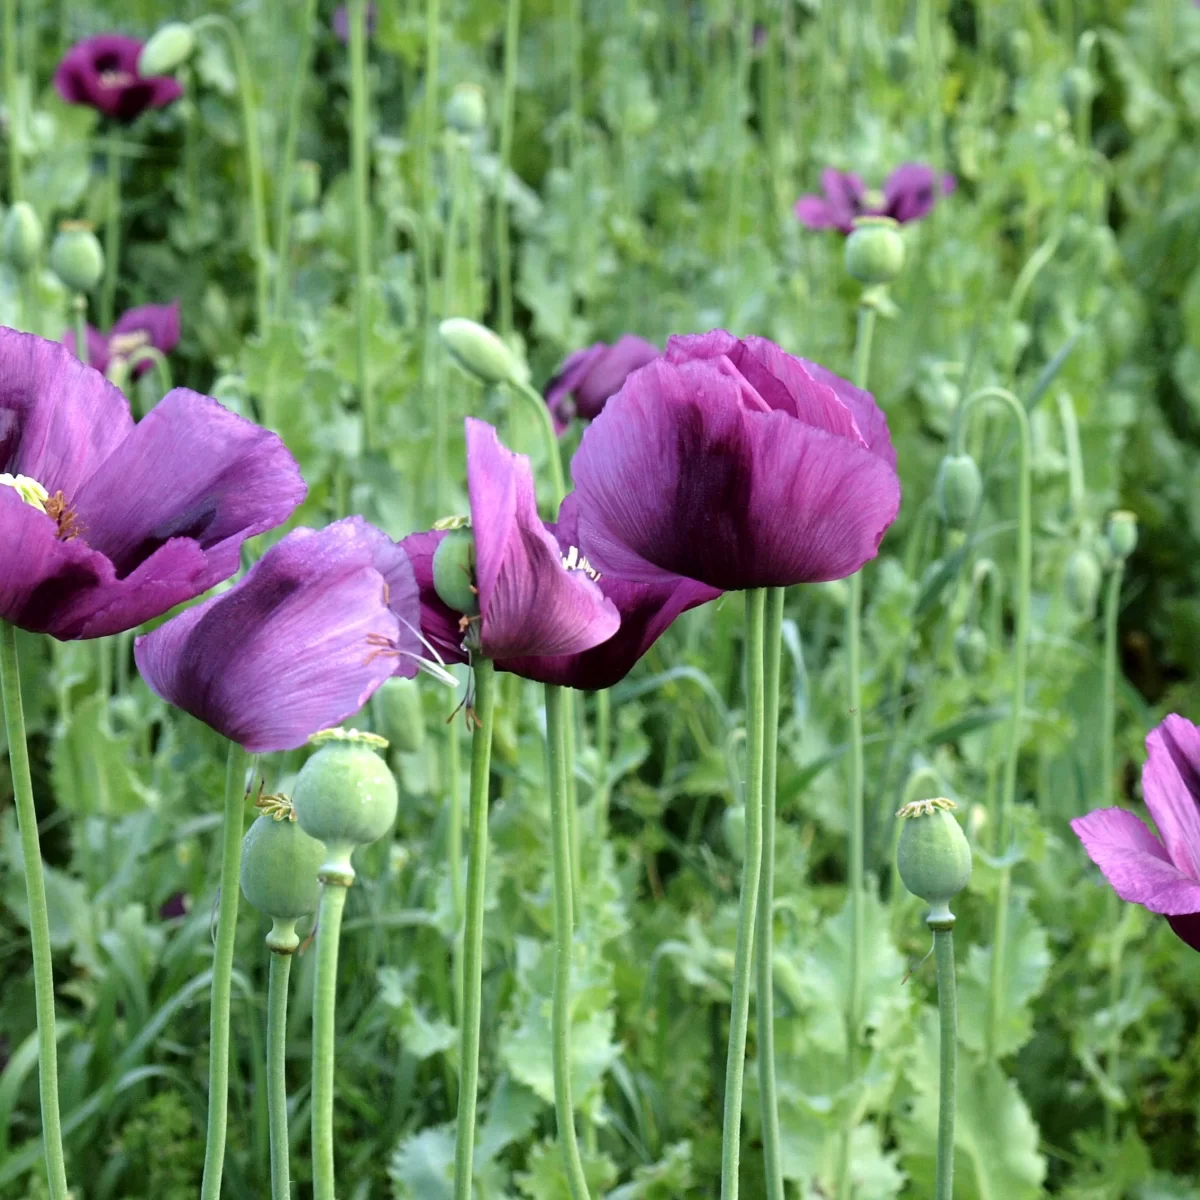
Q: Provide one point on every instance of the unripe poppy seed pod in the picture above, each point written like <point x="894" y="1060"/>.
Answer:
<point x="933" y="855"/>
<point x="875" y="250"/>
<point x="959" y="489"/>
<point x="22" y="236"/>
<point x="398" y="709"/>
<point x="279" y="874"/>
<point x="1122" y="534"/>
<point x="454" y="572"/>
<point x="478" y="350"/>
<point x="466" y="109"/>
<point x="76" y="257"/>
<point x="1083" y="581"/>
<point x="168" y="49"/>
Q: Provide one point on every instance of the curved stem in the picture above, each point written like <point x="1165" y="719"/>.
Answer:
<point x="222" y="980"/>
<point x="943" y="950"/>
<point x="564" y="935"/>
<point x="477" y="846"/>
<point x="12" y="100"/>
<point x="512" y="34"/>
<point x="735" y="1063"/>
<point x="277" y="1006"/>
<point x="764" y="995"/>
<point x="329" y="931"/>
<point x="158" y="360"/>
<point x="39" y="915"/>
<point x="362" y="214"/>
<point x="112" y="236"/>
<point x="542" y="412"/>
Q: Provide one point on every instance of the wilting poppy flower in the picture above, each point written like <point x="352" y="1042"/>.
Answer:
<point x="1162" y="876"/>
<point x="104" y="523"/>
<point x="154" y="325"/>
<point x="102" y="72"/>
<point x="299" y="645"/>
<point x="341" y="21"/>
<point x="909" y="193"/>
<point x="532" y="600"/>
<point x="732" y="463"/>
<point x="586" y="379"/>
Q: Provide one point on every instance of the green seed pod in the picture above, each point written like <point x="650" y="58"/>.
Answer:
<point x="959" y="489"/>
<point x="1078" y="89"/>
<point x="466" y="110"/>
<point x="933" y="857"/>
<point x="279" y="873"/>
<point x="22" y="236"/>
<point x="970" y="648"/>
<point x="76" y="257"/>
<point x="454" y="572"/>
<point x="345" y="796"/>
<point x="1083" y="582"/>
<point x="479" y="351"/>
<point x="733" y="826"/>
<point x="875" y="250"/>
<point x="398" y="711"/>
<point x="168" y="49"/>
<point x="1122" y="534"/>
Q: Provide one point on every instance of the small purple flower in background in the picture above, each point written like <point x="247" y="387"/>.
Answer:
<point x="583" y="383"/>
<point x="299" y="645"/>
<point x="909" y="194"/>
<point x="734" y="464"/>
<point x="154" y="325"/>
<point x="104" y="523"/>
<point x="175" y="906"/>
<point x="1162" y="876"/>
<point x="341" y="21"/>
<point x="102" y="72"/>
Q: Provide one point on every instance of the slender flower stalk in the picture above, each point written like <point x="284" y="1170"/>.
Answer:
<point x="12" y="100"/>
<point x="943" y="951"/>
<point x="112" y="235"/>
<point x="277" y="1007"/>
<point x="549" y="438"/>
<point x="430" y="393"/>
<point x="512" y="35"/>
<point x="558" y="764"/>
<point x="39" y="916"/>
<point x="468" y="1092"/>
<point x="735" y="1065"/>
<point x="454" y="846"/>
<point x="329" y="931"/>
<point x="362" y="213"/>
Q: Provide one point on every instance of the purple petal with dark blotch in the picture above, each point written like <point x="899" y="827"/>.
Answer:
<point x="911" y="191"/>
<point x="102" y="72"/>
<point x="1171" y="787"/>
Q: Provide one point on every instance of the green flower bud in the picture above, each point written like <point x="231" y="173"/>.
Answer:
<point x="902" y="57"/>
<point x="454" y="572"/>
<point x="22" y="236"/>
<point x="478" y="350"/>
<point x="959" y="489"/>
<point x="970" y="648"/>
<point x="933" y="857"/>
<point x="875" y="250"/>
<point x="76" y="257"/>
<point x="168" y="49"/>
<point x="466" y="109"/>
<point x="306" y="184"/>
<point x="1077" y="89"/>
<point x="345" y="796"/>
<point x="1017" y="52"/>
<point x="279" y="872"/>
<point x="1083" y="582"/>
<point x="1122" y="534"/>
<point x="733" y="826"/>
<point x="399" y="714"/>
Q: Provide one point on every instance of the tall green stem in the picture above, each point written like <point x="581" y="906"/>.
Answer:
<point x="742" y="33"/>
<point x="112" y="237"/>
<point x="512" y="35"/>
<point x="430" y="393"/>
<point x="541" y="412"/>
<point x="564" y="936"/>
<point x="12" y="100"/>
<point x="454" y="845"/>
<point x="39" y="915"/>
<point x="575" y="83"/>
<point x="477" y="846"/>
<point x="329" y="931"/>
<point x="735" y="1065"/>
<point x="764" y="995"/>
<point x="943" y="950"/>
<point x="603" y="751"/>
<point x="277" y="1007"/>
<point x="362" y="213"/>
<point x="222" y="980"/>
<point x="79" y="321"/>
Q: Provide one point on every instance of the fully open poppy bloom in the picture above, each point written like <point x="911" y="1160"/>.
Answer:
<point x="102" y="72"/>
<point x="154" y="325"/>
<point x="299" y="645"/>
<point x="1163" y="876"/>
<point x="586" y="379"/>
<point x="909" y="194"/>
<point x="732" y="463"/>
<point x="104" y="523"/>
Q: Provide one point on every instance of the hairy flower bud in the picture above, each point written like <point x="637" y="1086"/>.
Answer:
<point x="466" y="110"/>
<point x="970" y="648"/>
<point x="959" y="489"/>
<point x="933" y="855"/>
<point x="875" y="250"/>
<point x="76" y="257"/>
<point x="1083" y="581"/>
<point x="1122" y="534"/>
<point x="454" y="572"/>
<point x="168" y="49"/>
<point x="22" y="236"/>
<point x="279" y="873"/>
<point x="398" y="710"/>
<point x="478" y="350"/>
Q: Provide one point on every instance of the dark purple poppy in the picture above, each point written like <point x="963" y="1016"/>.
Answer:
<point x="299" y="645"/>
<point x="341" y="21"/>
<point x="1162" y="876"/>
<point x="102" y="72"/>
<point x="104" y="523"/>
<point x="175" y="906"/>
<point x="155" y="325"/>
<point x="909" y="194"/>
<point x="583" y="383"/>
<point x="732" y="463"/>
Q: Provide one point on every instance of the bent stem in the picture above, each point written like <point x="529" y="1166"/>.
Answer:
<point x="112" y="238"/>
<point x="481" y="764"/>
<point x="334" y="886"/>
<point x="564" y="937"/>
<point x="222" y="980"/>
<point x="362" y="212"/>
<point x="277" y="1006"/>
<point x="943" y="949"/>
<point x="541" y="412"/>
<point x="39" y="914"/>
<point x="735" y="1064"/>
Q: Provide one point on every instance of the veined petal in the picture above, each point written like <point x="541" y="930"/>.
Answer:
<point x="1171" y="786"/>
<point x="869" y="418"/>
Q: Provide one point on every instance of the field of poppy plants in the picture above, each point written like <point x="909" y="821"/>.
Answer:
<point x="599" y="600"/>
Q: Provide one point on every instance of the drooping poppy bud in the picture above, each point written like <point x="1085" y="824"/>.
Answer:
<point x="1083" y="581"/>
<point x="1122" y="534"/>
<point x="76" y="257"/>
<point x="933" y="855"/>
<point x="479" y="351"/>
<point x="970" y="648"/>
<point x="22" y="236"/>
<point x="959" y="489"/>
<point x="874" y="250"/>
<point x="167" y="50"/>
<point x="279" y="871"/>
<point x="733" y="826"/>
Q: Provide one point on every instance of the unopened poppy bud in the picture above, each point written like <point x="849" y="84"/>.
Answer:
<point x="454" y="572"/>
<point x="902" y="57"/>
<point x="345" y="796"/>
<point x="1077" y="89"/>
<point x="167" y="50"/>
<point x="970" y="648"/>
<point x="733" y="826"/>
<point x="76" y="257"/>
<point x="1122" y="534"/>
<point x="306" y="184"/>
<point x="466" y="109"/>
<point x="22" y="236"/>
<point x="478" y="350"/>
<point x="398" y="711"/>
<point x="1083" y="581"/>
<point x="933" y="855"/>
<point x="875" y="250"/>
<point x="959" y="489"/>
<point x="1017" y="50"/>
<point x="279" y="871"/>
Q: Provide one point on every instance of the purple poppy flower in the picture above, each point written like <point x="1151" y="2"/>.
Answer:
<point x="102" y="72"/>
<point x="909" y="193"/>
<point x="154" y="325"/>
<point x="732" y="463"/>
<point x="175" y="906"/>
<point x="1162" y="876"/>
<point x="104" y="523"/>
<point x="341" y="21"/>
<point x="583" y="383"/>
<point x="299" y="645"/>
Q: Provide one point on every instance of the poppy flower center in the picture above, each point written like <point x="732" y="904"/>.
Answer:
<point x="115" y="79"/>
<point x="55" y="507"/>
<point x="873" y="198"/>
<point x="574" y="561"/>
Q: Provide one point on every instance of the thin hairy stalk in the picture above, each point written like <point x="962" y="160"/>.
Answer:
<point x="12" y="100"/>
<point x="112" y="236"/>
<point x="430" y="393"/>
<point x="277" y="1006"/>
<point x="541" y="412"/>
<point x="334" y="888"/>
<point x="362" y="215"/>
<point x="943" y="950"/>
